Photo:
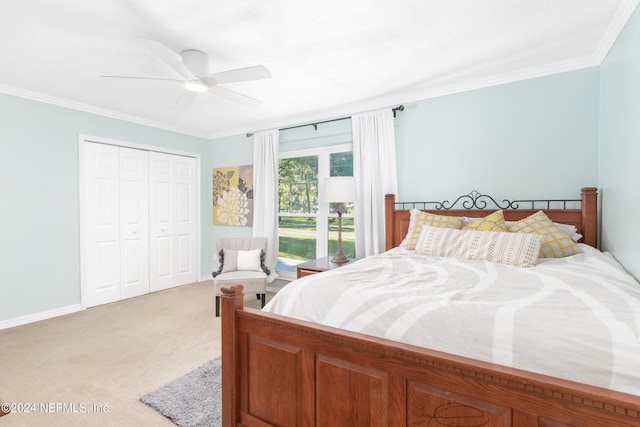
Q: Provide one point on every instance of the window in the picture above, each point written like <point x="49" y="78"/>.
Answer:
<point x="307" y="228"/>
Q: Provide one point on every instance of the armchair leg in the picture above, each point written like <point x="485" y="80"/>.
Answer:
<point x="217" y="305"/>
<point x="263" y="299"/>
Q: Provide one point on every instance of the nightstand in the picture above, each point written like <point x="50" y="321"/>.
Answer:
<point x="319" y="265"/>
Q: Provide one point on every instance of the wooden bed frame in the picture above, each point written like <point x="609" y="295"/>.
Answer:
<point x="281" y="371"/>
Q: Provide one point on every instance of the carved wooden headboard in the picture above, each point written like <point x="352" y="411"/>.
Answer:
<point x="584" y="217"/>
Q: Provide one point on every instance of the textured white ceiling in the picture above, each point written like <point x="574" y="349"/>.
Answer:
<point x="327" y="58"/>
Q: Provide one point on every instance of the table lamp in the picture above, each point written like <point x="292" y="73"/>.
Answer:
<point x="339" y="189"/>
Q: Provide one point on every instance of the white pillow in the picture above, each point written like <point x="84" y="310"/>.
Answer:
<point x="249" y="260"/>
<point x="517" y="249"/>
<point x="570" y="230"/>
<point x="235" y="260"/>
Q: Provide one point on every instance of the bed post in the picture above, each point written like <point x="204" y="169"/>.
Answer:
<point x="232" y="299"/>
<point x="389" y="207"/>
<point x="590" y="216"/>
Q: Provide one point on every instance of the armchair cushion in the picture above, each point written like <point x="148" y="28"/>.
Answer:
<point x="239" y="275"/>
<point x="253" y="281"/>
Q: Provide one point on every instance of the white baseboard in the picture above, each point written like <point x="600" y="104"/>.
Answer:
<point x="43" y="315"/>
<point x="206" y="279"/>
<point x="287" y="275"/>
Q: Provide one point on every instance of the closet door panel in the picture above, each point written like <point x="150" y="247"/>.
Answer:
<point x="161" y="218"/>
<point x="185" y="224"/>
<point x="164" y="254"/>
<point x="101" y="251"/>
<point x="172" y="186"/>
<point x="134" y="220"/>
<point x="106" y="275"/>
<point x="184" y="264"/>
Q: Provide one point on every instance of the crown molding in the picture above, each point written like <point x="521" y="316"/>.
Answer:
<point x="87" y="108"/>
<point x="616" y="25"/>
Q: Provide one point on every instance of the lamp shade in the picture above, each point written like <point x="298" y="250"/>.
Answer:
<point x="339" y="189"/>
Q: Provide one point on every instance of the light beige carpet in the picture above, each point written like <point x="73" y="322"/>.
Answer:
<point x="92" y="367"/>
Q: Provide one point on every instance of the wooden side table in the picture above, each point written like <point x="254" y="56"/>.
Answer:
<point x="318" y="266"/>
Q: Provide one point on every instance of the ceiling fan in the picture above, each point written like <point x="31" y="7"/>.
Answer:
<point x="193" y="66"/>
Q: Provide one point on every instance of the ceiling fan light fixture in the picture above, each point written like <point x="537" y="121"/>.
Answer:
<point x="195" y="86"/>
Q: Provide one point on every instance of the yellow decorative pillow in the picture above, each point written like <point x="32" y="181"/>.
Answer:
<point x="493" y="222"/>
<point x="433" y="220"/>
<point x="556" y="243"/>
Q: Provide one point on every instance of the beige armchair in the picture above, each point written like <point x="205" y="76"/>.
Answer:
<point x="238" y="265"/>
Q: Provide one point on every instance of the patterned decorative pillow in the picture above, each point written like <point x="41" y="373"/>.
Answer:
<point x="412" y="224"/>
<point x="556" y="243"/>
<point x="420" y="219"/>
<point x="492" y="222"/>
<point x="516" y="249"/>
<point x="568" y="229"/>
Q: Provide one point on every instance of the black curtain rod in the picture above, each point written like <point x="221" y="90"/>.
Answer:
<point x="315" y="125"/>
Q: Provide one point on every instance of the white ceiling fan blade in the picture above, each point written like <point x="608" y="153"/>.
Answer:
<point x="233" y="96"/>
<point x="186" y="99"/>
<point x="170" y="57"/>
<point x="257" y="72"/>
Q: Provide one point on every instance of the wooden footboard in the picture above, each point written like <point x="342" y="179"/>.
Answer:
<point x="280" y="371"/>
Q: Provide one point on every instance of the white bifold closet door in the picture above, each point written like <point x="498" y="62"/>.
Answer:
<point x="116" y="218"/>
<point x="139" y="220"/>
<point x="172" y="196"/>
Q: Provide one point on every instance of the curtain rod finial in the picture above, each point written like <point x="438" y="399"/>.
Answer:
<point x="398" y="108"/>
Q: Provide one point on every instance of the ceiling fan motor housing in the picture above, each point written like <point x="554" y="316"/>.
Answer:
<point x="196" y="61"/>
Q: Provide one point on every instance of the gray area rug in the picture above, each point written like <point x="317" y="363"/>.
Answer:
<point x="193" y="400"/>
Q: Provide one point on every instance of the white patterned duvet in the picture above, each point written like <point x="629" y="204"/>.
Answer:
<point x="576" y="318"/>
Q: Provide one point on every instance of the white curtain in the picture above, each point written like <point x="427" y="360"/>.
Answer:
<point x="265" y="193"/>
<point x="374" y="168"/>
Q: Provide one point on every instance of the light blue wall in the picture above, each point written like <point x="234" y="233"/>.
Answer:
<point x="230" y="151"/>
<point x="531" y="139"/>
<point x="39" y="247"/>
<point x="620" y="147"/>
